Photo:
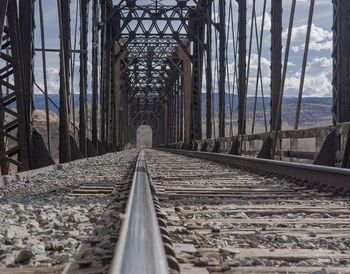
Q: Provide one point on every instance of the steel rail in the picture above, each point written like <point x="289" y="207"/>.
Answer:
<point x="140" y="247"/>
<point x="331" y="176"/>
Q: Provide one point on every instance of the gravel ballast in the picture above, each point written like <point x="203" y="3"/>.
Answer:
<point x="41" y="225"/>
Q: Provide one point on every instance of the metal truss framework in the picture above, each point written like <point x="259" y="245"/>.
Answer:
<point x="158" y="47"/>
<point x="14" y="141"/>
<point x="148" y="63"/>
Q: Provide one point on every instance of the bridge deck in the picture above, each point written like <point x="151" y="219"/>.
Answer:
<point x="45" y="221"/>
<point x="212" y="218"/>
<point x="221" y="218"/>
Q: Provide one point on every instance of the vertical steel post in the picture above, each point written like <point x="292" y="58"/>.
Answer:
<point x="83" y="77"/>
<point x="117" y="83"/>
<point x="161" y="124"/>
<point x="209" y="75"/>
<point x="166" y="122"/>
<point x="45" y="76"/>
<point x="177" y="90"/>
<point x="128" y="121"/>
<point x="102" y="80"/>
<point x="276" y="60"/>
<point x="197" y="69"/>
<point x="64" y="28"/>
<point x="222" y="67"/>
<point x="170" y="118"/>
<point x="26" y="21"/>
<point x="182" y="109"/>
<point x="242" y="50"/>
<point x="95" y="12"/>
<point x="174" y="113"/>
<point x="187" y="90"/>
<point x="171" y="113"/>
<point x="341" y="61"/>
<point x="341" y="70"/>
<point x="107" y="80"/>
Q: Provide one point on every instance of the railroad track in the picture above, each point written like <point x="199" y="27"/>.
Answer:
<point x="208" y="213"/>
<point x="222" y="218"/>
<point x="143" y="235"/>
<point x="67" y="219"/>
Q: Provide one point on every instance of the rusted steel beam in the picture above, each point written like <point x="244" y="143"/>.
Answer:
<point x="222" y="67"/>
<point x="64" y="29"/>
<point x="209" y="82"/>
<point x="129" y="125"/>
<point x="3" y="10"/>
<point x="58" y="50"/>
<point x="181" y="91"/>
<point x="341" y="61"/>
<point x="161" y="126"/>
<point x="43" y="55"/>
<point x="177" y="111"/>
<point x="187" y="90"/>
<point x="346" y="157"/>
<point x="95" y="13"/>
<point x="242" y="50"/>
<point x="283" y="80"/>
<point x="83" y="77"/>
<point x="327" y="154"/>
<point x="37" y="151"/>
<point x="107" y="81"/>
<point x="276" y="59"/>
<point x="102" y="80"/>
<point x="15" y="129"/>
<point x="166" y="121"/>
<point x="115" y="89"/>
<point x="117" y="93"/>
<point x="197" y="71"/>
<point x="26" y="23"/>
<point x="173" y="115"/>
<point x="169" y="116"/>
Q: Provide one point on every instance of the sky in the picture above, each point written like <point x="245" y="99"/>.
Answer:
<point x="319" y="65"/>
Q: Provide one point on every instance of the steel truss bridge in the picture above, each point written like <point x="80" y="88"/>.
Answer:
<point x="150" y="64"/>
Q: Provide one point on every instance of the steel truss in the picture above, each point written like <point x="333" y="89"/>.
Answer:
<point x="147" y="69"/>
<point x="150" y="40"/>
<point x="14" y="141"/>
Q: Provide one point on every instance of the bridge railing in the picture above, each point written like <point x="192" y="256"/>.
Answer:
<point x="319" y="145"/>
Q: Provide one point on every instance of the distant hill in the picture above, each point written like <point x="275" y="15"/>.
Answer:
<point x="39" y="101"/>
<point x="314" y="110"/>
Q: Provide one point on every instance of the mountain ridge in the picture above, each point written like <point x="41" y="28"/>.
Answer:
<point x="314" y="110"/>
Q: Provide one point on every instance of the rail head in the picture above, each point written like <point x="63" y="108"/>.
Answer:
<point x="331" y="176"/>
<point x="140" y="247"/>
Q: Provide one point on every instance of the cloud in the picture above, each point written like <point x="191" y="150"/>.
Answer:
<point x="320" y="39"/>
<point x="317" y="79"/>
<point x="53" y="80"/>
<point x="267" y="23"/>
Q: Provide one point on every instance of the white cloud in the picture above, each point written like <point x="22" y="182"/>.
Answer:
<point x="318" y="34"/>
<point x="267" y="23"/>
<point x="328" y="45"/>
<point x="320" y="39"/>
<point x="317" y="79"/>
<point x="53" y="80"/>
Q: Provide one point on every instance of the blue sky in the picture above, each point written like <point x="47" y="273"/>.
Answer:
<point x="319" y="68"/>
